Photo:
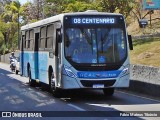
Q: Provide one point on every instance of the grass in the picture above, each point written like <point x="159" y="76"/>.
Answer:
<point x="146" y="52"/>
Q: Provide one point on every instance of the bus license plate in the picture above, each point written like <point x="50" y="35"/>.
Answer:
<point x="98" y="86"/>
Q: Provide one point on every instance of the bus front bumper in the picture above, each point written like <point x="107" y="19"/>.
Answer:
<point x="78" y="83"/>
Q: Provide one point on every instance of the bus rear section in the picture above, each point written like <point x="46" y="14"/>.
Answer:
<point x="95" y="53"/>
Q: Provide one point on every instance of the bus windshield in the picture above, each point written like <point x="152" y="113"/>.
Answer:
<point x="95" y="45"/>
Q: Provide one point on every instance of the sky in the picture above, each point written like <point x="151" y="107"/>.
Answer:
<point x="24" y="1"/>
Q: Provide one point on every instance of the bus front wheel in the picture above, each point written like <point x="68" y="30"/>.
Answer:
<point x="52" y="87"/>
<point x="108" y="91"/>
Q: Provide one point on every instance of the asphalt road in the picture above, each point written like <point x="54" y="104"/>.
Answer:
<point x="17" y="95"/>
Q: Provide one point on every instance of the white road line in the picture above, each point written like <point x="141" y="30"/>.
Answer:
<point x="78" y="108"/>
<point x="2" y="74"/>
<point x="139" y="96"/>
<point x="11" y="78"/>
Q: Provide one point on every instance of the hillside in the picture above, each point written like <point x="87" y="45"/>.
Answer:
<point x="146" y="51"/>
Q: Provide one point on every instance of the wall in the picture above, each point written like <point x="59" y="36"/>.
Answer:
<point x="5" y="58"/>
<point x="145" y="79"/>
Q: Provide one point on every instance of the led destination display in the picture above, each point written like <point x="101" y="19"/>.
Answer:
<point x="93" y="20"/>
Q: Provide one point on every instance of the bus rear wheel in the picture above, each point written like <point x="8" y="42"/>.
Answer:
<point x="31" y="82"/>
<point x="108" y="91"/>
<point x="16" y="72"/>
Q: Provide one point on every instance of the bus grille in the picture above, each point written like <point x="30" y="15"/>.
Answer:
<point x="90" y="83"/>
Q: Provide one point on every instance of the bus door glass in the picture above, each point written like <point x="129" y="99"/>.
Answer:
<point x="58" y="52"/>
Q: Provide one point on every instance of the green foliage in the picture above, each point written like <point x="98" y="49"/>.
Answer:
<point x="9" y="26"/>
<point x="26" y="13"/>
<point x="1" y="38"/>
<point x="146" y="51"/>
<point x="4" y="26"/>
<point x="120" y="6"/>
<point x="77" y="7"/>
<point x="57" y="6"/>
<point x="137" y="42"/>
<point x="4" y="49"/>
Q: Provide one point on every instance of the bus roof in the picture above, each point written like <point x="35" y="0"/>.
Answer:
<point x="60" y="17"/>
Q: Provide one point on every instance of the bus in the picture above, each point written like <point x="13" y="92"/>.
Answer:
<point x="78" y="50"/>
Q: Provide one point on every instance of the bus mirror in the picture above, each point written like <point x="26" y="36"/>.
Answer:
<point x="59" y="36"/>
<point x="130" y="42"/>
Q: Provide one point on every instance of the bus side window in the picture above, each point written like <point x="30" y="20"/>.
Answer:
<point x="26" y="40"/>
<point x="49" y="40"/>
<point x="22" y="42"/>
<point x="31" y="38"/>
<point x="42" y="37"/>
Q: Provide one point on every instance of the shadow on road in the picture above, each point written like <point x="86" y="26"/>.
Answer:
<point x="97" y="96"/>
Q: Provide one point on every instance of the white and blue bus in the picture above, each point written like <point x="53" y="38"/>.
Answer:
<point x="77" y="51"/>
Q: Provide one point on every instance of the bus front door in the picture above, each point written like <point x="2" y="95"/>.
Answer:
<point x="58" y="58"/>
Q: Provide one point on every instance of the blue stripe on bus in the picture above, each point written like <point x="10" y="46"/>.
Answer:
<point x="38" y="65"/>
<point x="99" y="74"/>
<point x="43" y="66"/>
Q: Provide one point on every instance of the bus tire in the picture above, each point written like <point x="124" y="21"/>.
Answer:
<point x="108" y="91"/>
<point x="52" y="88"/>
<point x="16" y="72"/>
<point x="31" y="82"/>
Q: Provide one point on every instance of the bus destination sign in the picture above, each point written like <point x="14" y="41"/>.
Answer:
<point x="93" y="20"/>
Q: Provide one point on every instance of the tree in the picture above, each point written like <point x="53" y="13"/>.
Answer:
<point x="4" y="28"/>
<point x="139" y="14"/>
<point x="2" y="4"/>
<point x="9" y="23"/>
<point x="4" y="31"/>
<point x="57" y="6"/>
<point x="81" y="7"/>
<point x="120" y="6"/>
<point x="28" y="13"/>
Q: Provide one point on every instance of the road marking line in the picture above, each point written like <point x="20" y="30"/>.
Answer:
<point x="2" y="74"/>
<point x="78" y="108"/>
<point x="139" y="96"/>
<point x="11" y="78"/>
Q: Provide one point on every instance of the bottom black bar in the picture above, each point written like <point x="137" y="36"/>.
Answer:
<point x="79" y="114"/>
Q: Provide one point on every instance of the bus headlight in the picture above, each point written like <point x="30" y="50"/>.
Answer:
<point x="67" y="71"/>
<point x="125" y="71"/>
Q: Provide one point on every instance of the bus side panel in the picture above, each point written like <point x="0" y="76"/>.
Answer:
<point x="43" y="66"/>
<point x="28" y="59"/>
<point x="21" y="63"/>
<point x="51" y="62"/>
<point x="36" y="67"/>
<point x="33" y="61"/>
